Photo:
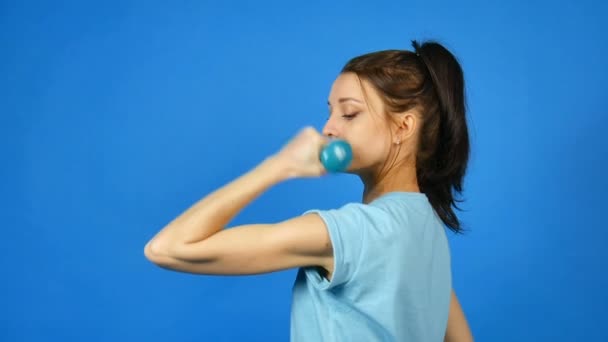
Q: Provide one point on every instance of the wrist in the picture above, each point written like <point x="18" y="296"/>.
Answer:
<point x="277" y="168"/>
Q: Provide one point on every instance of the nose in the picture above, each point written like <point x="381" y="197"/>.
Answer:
<point x="330" y="129"/>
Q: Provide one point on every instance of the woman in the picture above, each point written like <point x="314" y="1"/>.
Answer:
<point x="378" y="270"/>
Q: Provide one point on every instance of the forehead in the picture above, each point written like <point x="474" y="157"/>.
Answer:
<point x="346" y="85"/>
<point x="349" y="85"/>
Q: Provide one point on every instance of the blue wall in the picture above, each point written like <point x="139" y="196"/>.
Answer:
<point x="115" y="117"/>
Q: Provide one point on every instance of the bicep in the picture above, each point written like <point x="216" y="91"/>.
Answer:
<point x="254" y="249"/>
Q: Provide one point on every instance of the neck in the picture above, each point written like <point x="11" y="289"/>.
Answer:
<point x="398" y="178"/>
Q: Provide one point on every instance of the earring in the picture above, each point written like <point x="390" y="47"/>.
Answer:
<point x="398" y="142"/>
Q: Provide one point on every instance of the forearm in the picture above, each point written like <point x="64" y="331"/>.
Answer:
<point x="458" y="327"/>
<point x="212" y="213"/>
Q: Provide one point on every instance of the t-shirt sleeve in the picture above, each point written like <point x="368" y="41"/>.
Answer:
<point x="346" y="227"/>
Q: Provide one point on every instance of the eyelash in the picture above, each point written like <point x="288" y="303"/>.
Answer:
<point x="350" y="116"/>
<point x="347" y="116"/>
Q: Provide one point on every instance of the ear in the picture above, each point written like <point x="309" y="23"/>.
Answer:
<point x="405" y="126"/>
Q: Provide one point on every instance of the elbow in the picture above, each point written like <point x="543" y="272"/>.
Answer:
<point x="157" y="252"/>
<point x="165" y="253"/>
<point x="150" y="251"/>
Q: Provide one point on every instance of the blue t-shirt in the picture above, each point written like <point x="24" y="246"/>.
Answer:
<point x="392" y="277"/>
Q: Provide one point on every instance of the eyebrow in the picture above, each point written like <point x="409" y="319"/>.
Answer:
<point x="345" y="99"/>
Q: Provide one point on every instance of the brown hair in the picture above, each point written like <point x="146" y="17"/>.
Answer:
<point x="431" y="80"/>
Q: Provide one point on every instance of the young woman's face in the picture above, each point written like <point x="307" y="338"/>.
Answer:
<point x="356" y="114"/>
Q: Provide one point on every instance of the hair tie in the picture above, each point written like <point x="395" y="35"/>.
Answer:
<point x="416" y="47"/>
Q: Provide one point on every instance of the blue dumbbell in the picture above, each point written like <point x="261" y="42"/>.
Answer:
<point x="336" y="156"/>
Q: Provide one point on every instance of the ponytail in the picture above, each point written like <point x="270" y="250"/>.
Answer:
<point x="444" y="168"/>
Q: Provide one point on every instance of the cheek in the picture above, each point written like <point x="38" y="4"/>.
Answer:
<point x="368" y="151"/>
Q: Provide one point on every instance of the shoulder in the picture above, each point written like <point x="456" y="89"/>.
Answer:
<point x="351" y="213"/>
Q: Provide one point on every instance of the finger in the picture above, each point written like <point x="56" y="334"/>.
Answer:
<point x="322" y="170"/>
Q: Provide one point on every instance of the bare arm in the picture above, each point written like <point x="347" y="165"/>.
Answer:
<point x="458" y="328"/>
<point x="196" y="241"/>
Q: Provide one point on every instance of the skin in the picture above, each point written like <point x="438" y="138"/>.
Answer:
<point x="197" y="241"/>
<point x="383" y="150"/>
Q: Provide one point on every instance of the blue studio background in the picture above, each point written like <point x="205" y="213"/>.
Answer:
<point x="116" y="116"/>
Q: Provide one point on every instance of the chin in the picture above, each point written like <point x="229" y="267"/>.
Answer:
<point x="356" y="170"/>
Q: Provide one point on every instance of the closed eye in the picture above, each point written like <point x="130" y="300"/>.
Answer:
<point x="350" y="116"/>
<point x="346" y="116"/>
